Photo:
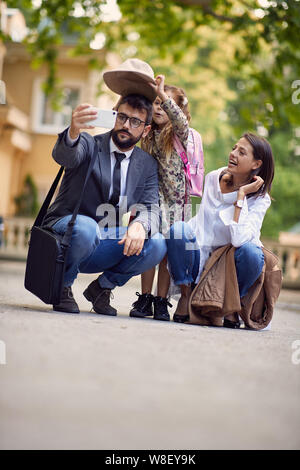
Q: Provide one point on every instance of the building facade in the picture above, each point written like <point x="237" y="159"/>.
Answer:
<point x="28" y="124"/>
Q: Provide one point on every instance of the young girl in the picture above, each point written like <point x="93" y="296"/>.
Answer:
<point x="170" y="116"/>
<point x="232" y="210"/>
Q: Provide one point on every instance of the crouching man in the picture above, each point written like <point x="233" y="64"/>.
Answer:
<point x="122" y="174"/>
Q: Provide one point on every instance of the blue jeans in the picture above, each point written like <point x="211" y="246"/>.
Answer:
<point x="95" y="250"/>
<point x="184" y="259"/>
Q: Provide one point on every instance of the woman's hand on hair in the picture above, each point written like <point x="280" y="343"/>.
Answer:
<point x="160" y="87"/>
<point x="250" y="188"/>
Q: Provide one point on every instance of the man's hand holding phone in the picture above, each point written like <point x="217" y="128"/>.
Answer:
<point x="85" y="116"/>
<point x="81" y="116"/>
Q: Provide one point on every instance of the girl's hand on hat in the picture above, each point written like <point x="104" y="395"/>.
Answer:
<point x="80" y="116"/>
<point x="160" y="87"/>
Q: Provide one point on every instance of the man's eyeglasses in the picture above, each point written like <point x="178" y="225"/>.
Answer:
<point x="133" y="121"/>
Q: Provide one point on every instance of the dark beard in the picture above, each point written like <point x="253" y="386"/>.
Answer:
<point x="124" y="145"/>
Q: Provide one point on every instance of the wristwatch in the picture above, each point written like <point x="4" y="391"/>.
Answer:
<point x="239" y="203"/>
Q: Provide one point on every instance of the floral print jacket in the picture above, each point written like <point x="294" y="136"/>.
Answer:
<point x="174" y="193"/>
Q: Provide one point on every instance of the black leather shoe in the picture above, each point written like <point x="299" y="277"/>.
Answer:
<point x="67" y="302"/>
<point x="100" y="298"/>
<point x="180" y="318"/>
<point x="231" y="324"/>
<point x="142" y="307"/>
<point x="161" y="308"/>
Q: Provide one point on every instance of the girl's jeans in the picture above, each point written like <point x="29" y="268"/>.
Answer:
<point x="94" y="251"/>
<point x="184" y="256"/>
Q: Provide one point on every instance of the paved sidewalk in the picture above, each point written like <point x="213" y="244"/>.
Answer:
<point x="93" y="382"/>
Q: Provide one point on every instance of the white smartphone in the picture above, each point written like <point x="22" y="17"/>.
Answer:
<point x="105" y="118"/>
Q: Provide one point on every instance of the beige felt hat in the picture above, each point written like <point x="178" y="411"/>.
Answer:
<point x="132" y="76"/>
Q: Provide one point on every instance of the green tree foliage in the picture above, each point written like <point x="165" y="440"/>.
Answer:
<point x="27" y="202"/>
<point x="266" y="53"/>
<point x="236" y="59"/>
<point x="285" y="209"/>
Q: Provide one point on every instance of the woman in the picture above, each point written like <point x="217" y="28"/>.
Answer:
<point x="232" y="210"/>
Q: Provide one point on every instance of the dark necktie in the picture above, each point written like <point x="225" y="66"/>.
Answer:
<point x="117" y="179"/>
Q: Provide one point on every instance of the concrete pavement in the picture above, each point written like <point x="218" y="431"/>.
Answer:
<point x="93" y="382"/>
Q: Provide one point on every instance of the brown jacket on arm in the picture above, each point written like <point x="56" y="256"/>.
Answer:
<point x="217" y="292"/>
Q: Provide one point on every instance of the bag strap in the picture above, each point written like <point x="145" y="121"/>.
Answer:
<point x="183" y="155"/>
<point x="40" y="217"/>
<point x="42" y="212"/>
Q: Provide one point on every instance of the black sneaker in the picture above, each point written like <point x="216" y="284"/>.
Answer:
<point x="142" y="307"/>
<point x="67" y="302"/>
<point x="161" y="308"/>
<point x="100" y="298"/>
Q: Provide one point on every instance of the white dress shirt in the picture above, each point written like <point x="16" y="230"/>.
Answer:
<point x="124" y="164"/>
<point x="213" y="224"/>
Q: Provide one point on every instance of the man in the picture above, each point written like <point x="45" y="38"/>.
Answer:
<point x="123" y="175"/>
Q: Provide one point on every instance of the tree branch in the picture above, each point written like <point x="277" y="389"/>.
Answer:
<point x="224" y="18"/>
<point x="205" y="5"/>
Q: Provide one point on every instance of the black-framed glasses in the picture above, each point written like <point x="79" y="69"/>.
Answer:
<point x="133" y="121"/>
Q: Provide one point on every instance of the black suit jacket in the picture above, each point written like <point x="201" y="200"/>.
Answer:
<point x="141" y="183"/>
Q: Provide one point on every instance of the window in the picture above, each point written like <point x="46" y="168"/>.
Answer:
<point x="2" y="92"/>
<point x="47" y="121"/>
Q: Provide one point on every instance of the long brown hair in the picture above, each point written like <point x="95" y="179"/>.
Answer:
<point x="167" y="134"/>
<point x="262" y="151"/>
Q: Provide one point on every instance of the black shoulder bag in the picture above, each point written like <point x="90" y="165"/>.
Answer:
<point x="46" y="259"/>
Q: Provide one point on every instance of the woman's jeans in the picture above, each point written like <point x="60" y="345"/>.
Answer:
<point x="184" y="257"/>
<point x="95" y="250"/>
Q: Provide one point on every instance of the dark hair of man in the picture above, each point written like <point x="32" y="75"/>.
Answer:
<point x="139" y="102"/>
<point x="262" y="151"/>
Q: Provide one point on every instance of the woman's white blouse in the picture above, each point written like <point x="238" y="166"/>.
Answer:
<point x="213" y="224"/>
